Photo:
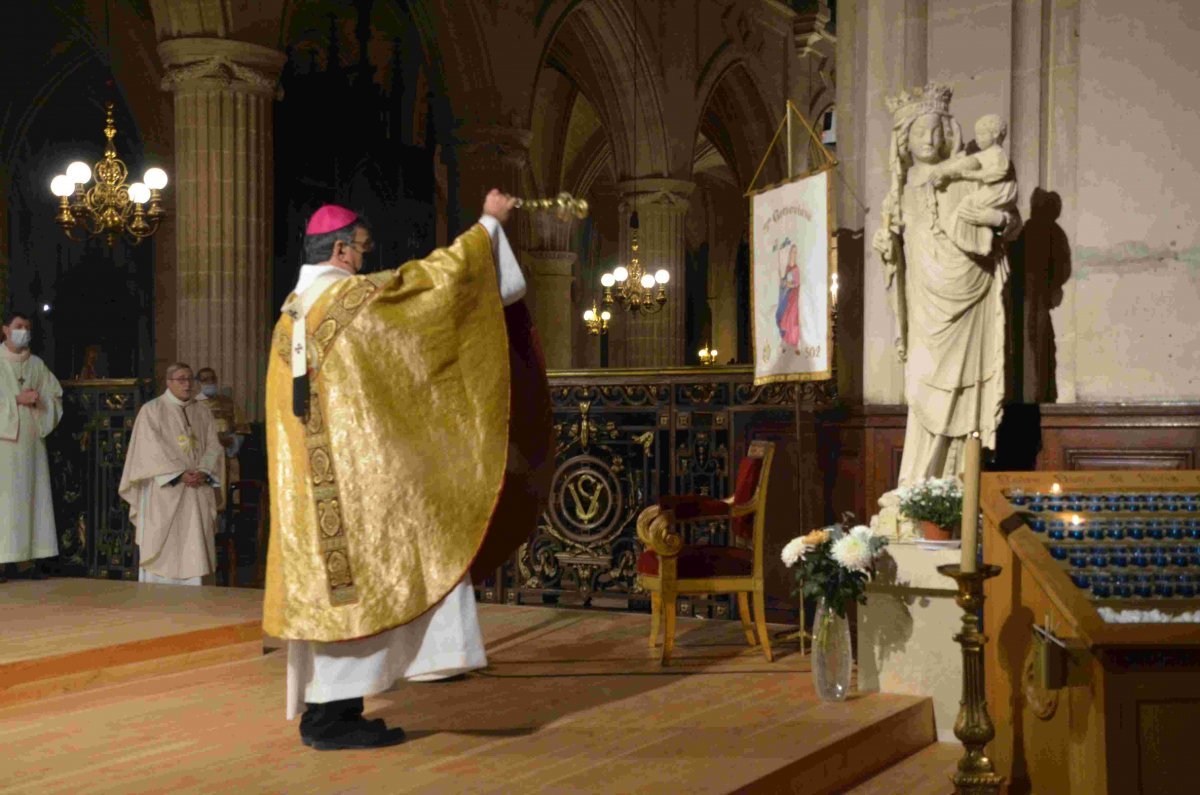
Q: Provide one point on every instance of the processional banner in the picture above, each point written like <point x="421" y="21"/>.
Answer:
<point x="790" y="271"/>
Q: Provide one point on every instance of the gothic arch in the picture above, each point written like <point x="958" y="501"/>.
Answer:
<point x="737" y="120"/>
<point x="592" y="42"/>
<point x="594" y="162"/>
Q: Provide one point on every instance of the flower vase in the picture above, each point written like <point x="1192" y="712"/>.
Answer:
<point x="831" y="653"/>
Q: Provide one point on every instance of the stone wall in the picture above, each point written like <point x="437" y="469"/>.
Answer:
<point x="1136" y="274"/>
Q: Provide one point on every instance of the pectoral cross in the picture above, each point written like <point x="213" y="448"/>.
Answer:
<point x="21" y="381"/>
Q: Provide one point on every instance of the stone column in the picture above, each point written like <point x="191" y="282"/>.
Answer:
<point x="722" y="303"/>
<point x="223" y="186"/>
<point x="896" y="40"/>
<point x="549" y="262"/>
<point x="551" y="276"/>
<point x="656" y="340"/>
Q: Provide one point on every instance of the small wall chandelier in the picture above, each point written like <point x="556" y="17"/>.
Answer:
<point x="110" y="207"/>
<point x="632" y="286"/>
<point x="596" y="322"/>
<point x="708" y="356"/>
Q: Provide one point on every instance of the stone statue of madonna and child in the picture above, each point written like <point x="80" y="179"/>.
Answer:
<point x="947" y="218"/>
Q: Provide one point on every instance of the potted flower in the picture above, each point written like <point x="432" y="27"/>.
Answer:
<point x="935" y="504"/>
<point x="833" y="566"/>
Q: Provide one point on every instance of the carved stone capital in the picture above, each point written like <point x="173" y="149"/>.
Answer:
<point x="810" y="29"/>
<point x="655" y="194"/>
<point x="220" y="64"/>
<point x="510" y="144"/>
<point x="545" y="232"/>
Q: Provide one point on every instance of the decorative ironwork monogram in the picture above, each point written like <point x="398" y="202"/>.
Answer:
<point x="619" y="445"/>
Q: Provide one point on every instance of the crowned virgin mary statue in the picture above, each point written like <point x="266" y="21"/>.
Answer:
<point x="948" y="300"/>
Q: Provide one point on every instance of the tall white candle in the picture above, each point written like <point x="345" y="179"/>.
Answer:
<point x="970" y="516"/>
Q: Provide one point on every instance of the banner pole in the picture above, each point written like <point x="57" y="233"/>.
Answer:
<point x="788" y="116"/>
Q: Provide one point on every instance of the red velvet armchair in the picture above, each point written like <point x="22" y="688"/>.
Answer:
<point x="668" y="567"/>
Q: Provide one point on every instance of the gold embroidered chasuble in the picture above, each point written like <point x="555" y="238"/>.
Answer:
<point x="382" y="495"/>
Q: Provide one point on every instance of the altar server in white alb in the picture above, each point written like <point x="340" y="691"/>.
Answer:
<point x="172" y="471"/>
<point x="30" y="407"/>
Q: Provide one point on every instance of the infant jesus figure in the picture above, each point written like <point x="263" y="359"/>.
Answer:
<point x="997" y="189"/>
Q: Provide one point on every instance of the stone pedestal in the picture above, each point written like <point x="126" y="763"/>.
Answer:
<point x="223" y="185"/>
<point x="655" y="340"/>
<point x="906" y="631"/>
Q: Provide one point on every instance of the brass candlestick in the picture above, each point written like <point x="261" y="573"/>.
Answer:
<point x="975" y="775"/>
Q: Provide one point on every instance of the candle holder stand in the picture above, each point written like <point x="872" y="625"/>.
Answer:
<point x="975" y="774"/>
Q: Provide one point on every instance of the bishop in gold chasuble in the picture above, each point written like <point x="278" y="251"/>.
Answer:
<point x="424" y="449"/>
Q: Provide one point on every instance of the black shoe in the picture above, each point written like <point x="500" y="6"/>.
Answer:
<point x="37" y="574"/>
<point x="376" y="724"/>
<point x="350" y="735"/>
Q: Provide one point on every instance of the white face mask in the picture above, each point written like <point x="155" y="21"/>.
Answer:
<point x="208" y="390"/>
<point x="20" y="337"/>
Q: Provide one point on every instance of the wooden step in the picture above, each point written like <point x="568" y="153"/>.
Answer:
<point x="831" y="767"/>
<point x="62" y="636"/>
<point x="572" y="702"/>
<point x="927" y="772"/>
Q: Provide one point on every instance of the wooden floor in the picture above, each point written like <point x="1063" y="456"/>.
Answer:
<point x="572" y="702"/>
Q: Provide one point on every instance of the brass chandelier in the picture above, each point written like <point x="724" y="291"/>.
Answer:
<point x="637" y="290"/>
<point x="110" y="207"/>
<point x="596" y="321"/>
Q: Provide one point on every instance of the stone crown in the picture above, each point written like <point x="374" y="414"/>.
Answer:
<point x="932" y="98"/>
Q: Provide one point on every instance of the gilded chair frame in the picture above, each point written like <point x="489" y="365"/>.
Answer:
<point x="657" y="528"/>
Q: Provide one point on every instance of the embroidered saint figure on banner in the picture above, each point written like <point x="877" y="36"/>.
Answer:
<point x="787" y="313"/>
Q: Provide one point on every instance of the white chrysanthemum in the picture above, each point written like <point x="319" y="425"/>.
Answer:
<point x="794" y="551"/>
<point x="863" y="532"/>
<point x="853" y="550"/>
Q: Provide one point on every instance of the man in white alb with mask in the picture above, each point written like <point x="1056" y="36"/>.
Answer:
<point x="30" y="408"/>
